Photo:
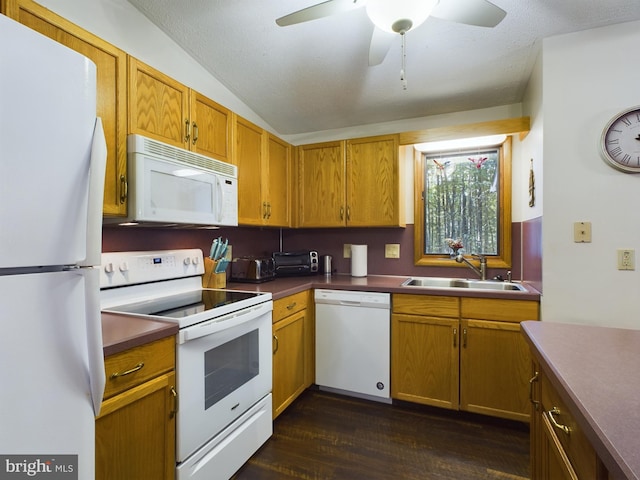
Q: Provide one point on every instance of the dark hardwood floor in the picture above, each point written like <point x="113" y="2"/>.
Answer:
<point x="327" y="436"/>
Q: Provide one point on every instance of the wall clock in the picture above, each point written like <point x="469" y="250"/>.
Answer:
<point x="620" y="141"/>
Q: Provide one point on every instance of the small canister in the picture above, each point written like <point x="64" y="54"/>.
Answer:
<point x="326" y="264"/>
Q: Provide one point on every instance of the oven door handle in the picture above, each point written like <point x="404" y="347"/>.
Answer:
<point x="223" y="323"/>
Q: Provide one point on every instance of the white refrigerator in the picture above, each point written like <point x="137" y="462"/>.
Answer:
<point x="52" y="167"/>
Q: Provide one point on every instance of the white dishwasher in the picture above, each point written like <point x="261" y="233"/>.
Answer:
<point x="353" y="343"/>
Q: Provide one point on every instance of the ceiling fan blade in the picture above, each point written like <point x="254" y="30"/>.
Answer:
<point x="324" y="9"/>
<point x="380" y="44"/>
<point x="481" y="13"/>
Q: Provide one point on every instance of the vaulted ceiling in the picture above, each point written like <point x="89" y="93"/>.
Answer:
<point x="315" y="75"/>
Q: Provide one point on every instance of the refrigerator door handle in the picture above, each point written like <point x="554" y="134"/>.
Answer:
<point x="97" y="377"/>
<point x="96" y="196"/>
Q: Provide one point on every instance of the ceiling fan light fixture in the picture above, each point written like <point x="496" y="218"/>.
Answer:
<point x="387" y="14"/>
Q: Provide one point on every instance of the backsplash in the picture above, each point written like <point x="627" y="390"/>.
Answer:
<point x="264" y="241"/>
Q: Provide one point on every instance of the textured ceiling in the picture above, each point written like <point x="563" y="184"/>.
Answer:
<point x="315" y="76"/>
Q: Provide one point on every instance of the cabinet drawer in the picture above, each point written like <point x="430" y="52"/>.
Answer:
<point x="286" y="306"/>
<point x="502" y="310"/>
<point x="137" y="365"/>
<point x="573" y="442"/>
<point x="432" y="305"/>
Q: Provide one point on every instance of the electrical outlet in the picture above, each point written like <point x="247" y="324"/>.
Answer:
<point x="626" y="259"/>
<point x="229" y="254"/>
<point x="346" y="250"/>
<point x="392" y="250"/>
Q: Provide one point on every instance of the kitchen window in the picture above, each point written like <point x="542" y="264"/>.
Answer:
<point x="464" y="194"/>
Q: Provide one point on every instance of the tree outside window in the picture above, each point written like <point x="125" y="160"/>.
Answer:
<point x="464" y="195"/>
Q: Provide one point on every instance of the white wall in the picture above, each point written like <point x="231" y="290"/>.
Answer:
<point x="587" y="78"/>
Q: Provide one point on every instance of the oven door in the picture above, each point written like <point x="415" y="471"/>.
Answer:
<point x="224" y="368"/>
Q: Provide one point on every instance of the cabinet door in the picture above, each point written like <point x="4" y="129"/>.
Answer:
<point x="424" y="360"/>
<point x="373" y="197"/>
<point x="321" y="184"/>
<point x="288" y="360"/>
<point x="252" y="206"/>
<point x="278" y="179"/>
<point x="210" y="128"/>
<point x="135" y="432"/>
<point x="158" y="105"/>
<point x="495" y="368"/>
<point x="554" y="462"/>
<point x="111" y="87"/>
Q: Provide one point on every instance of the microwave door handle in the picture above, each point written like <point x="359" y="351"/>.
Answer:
<point x="220" y="198"/>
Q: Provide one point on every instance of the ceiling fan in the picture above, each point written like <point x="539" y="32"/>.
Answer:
<point x="392" y="17"/>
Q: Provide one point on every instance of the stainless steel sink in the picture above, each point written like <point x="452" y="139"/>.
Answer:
<point x="439" y="282"/>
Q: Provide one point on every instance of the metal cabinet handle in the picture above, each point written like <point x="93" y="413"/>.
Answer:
<point x="559" y="426"/>
<point x="464" y="338"/>
<point x="532" y="380"/>
<point x="124" y="189"/>
<point x="348" y="213"/>
<point x="174" y="411"/>
<point x="455" y="337"/>
<point x="341" y="213"/>
<point x="195" y="132"/>
<point x="277" y="345"/>
<point x="128" y="372"/>
<point x="187" y="130"/>
<point x="268" y="209"/>
<point x="292" y="305"/>
<point x="264" y="210"/>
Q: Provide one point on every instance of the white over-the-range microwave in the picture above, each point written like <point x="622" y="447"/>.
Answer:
<point x="171" y="186"/>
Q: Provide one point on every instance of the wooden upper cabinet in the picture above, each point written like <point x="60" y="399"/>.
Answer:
<point x="111" y="87"/>
<point x="356" y="183"/>
<point x="373" y="188"/>
<point x="263" y="162"/>
<point x="158" y="105"/>
<point x="279" y="185"/>
<point x="321" y="184"/>
<point x="168" y="111"/>
<point x="249" y="153"/>
<point x="211" y="126"/>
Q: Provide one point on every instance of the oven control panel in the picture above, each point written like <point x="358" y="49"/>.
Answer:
<point x="131" y="268"/>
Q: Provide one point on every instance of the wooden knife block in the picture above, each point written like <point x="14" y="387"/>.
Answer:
<point x="210" y="279"/>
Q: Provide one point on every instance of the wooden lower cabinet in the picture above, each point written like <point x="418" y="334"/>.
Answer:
<point x="461" y="353"/>
<point x="559" y="447"/>
<point x="135" y="431"/>
<point x="293" y="349"/>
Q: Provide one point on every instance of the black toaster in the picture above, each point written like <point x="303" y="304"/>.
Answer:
<point x="252" y="269"/>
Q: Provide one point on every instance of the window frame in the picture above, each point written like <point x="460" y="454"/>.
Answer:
<point x="503" y="258"/>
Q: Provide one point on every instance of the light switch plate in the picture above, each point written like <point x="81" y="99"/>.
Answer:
<point x="582" y="232"/>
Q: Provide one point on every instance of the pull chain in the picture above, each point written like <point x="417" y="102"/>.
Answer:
<point x="403" y="77"/>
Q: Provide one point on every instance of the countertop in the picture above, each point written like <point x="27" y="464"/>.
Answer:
<point x="121" y="332"/>
<point x="281" y="287"/>
<point x="596" y="370"/>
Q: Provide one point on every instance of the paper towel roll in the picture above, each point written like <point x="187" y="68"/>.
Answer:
<point x="358" y="260"/>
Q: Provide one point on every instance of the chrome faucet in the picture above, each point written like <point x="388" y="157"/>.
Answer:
<point x="482" y="271"/>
